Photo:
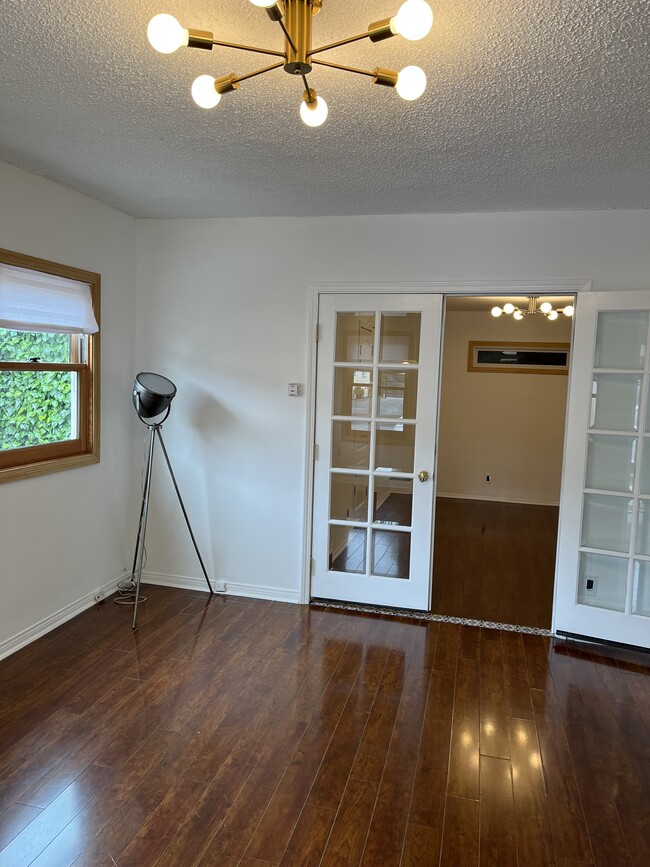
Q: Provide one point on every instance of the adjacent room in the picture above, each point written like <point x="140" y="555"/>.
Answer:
<point x="390" y="548"/>
<point x="503" y="407"/>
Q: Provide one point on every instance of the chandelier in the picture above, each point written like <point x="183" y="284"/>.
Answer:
<point x="544" y="309"/>
<point x="413" y="21"/>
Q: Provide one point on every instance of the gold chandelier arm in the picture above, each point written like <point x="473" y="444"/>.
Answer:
<point x="237" y="78"/>
<point x="370" y="73"/>
<point x="375" y="33"/>
<point x="337" y="44"/>
<point x="269" y="51"/>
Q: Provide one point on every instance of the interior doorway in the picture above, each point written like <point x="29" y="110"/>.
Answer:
<point x="502" y="412"/>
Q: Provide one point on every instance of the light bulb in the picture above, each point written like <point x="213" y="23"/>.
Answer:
<point x="314" y="113"/>
<point x="411" y="83"/>
<point x="517" y="315"/>
<point x="264" y="4"/>
<point x="553" y="315"/>
<point x="496" y="312"/>
<point x="165" y="34"/>
<point x="413" y="20"/>
<point x="508" y="308"/>
<point x="568" y="310"/>
<point x="203" y="92"/>
<point x="546" y="307"/>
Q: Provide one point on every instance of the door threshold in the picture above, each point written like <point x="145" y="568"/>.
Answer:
<point x="603" y="642"/>
<point x="428" y="616"/>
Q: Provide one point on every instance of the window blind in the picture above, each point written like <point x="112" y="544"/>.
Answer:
<point x="34" y="301"/>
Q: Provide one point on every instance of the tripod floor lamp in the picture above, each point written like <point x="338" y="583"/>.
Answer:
<point x="152" y="398"/>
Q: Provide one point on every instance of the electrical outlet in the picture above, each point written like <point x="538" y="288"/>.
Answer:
<point x="220" y="587"/>
<point x="488" y="478"/>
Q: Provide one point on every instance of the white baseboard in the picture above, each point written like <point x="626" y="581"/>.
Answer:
<point x="495" y="499"/>
<point x="26" y="636"/>
<point x="230" y="588"/>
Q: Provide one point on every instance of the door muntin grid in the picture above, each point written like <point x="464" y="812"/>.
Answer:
<point x="374" y="416"/>
<point x="614" y="553"/>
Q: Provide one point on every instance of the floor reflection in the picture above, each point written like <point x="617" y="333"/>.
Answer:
<point x="255" y="732"/>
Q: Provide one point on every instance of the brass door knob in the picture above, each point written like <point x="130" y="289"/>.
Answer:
<point x="423" y="476"/>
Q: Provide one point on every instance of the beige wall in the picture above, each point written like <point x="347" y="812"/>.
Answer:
<point x="510" y="425"/>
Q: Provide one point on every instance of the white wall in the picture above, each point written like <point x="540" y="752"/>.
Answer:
<point x="65" y="534"/>
<point x="223" y="310"/>
<point x="508" y="425"/>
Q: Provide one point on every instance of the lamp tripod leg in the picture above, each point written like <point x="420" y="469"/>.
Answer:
<point x="138" y="558"/>
<point x="187" y="520"/>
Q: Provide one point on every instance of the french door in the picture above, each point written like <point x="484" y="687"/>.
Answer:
<point x="603" y="572"/>
<point x="376" y="407"/>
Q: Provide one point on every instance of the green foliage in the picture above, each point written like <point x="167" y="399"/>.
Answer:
<point x="35" y="406"/>
<point x="23" y="345"/>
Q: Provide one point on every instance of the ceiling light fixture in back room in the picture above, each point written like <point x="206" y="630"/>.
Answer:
<point x="413" y="21"/>
<point x="543" y="309"/>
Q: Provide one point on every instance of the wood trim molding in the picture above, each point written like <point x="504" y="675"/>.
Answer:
<point x="37" y="460"/>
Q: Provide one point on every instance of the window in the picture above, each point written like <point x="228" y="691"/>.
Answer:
<point x="513" y="357"/>
<point x="49" y="366"/>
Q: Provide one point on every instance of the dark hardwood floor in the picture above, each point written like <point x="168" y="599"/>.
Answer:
<point x="494" y="561"/>
<point x="232" y="732"/>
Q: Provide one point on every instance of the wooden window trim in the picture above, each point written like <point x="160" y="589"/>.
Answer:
<point x="52" y="457"/>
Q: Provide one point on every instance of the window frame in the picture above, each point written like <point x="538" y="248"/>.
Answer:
<point x="474" y="366"/>
<point x="52" y="457"/>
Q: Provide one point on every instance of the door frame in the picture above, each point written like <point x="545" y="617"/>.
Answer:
<point x="446" y="288"/>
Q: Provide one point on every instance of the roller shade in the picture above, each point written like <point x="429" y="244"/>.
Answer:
<point x="34" y="301"/>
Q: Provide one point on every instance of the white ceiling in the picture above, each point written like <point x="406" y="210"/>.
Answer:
<point x="531" y="104"/>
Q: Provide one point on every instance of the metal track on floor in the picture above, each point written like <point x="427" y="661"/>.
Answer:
<point x="426" y="615"/>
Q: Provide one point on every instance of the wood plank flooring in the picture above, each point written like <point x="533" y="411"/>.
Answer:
<point x="494" y="561"/>
<point x="230" y="732"/>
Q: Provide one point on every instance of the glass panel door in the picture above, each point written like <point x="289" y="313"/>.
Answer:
<point x="375" y="430"/>
<point x="602" y="588"/>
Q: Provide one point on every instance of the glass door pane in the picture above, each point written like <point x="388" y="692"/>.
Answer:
<point x="621" y="339"/>
<point x="355" y="337"/>
<point x="400" y="338"/>
<point x="607" y="522"/>
<point x="616" y="401"/>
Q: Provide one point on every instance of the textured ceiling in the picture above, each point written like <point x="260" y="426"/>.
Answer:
<point x="530" y="104"/>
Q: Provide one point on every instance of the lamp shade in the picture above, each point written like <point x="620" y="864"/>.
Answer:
<point x="152" y="395"/>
